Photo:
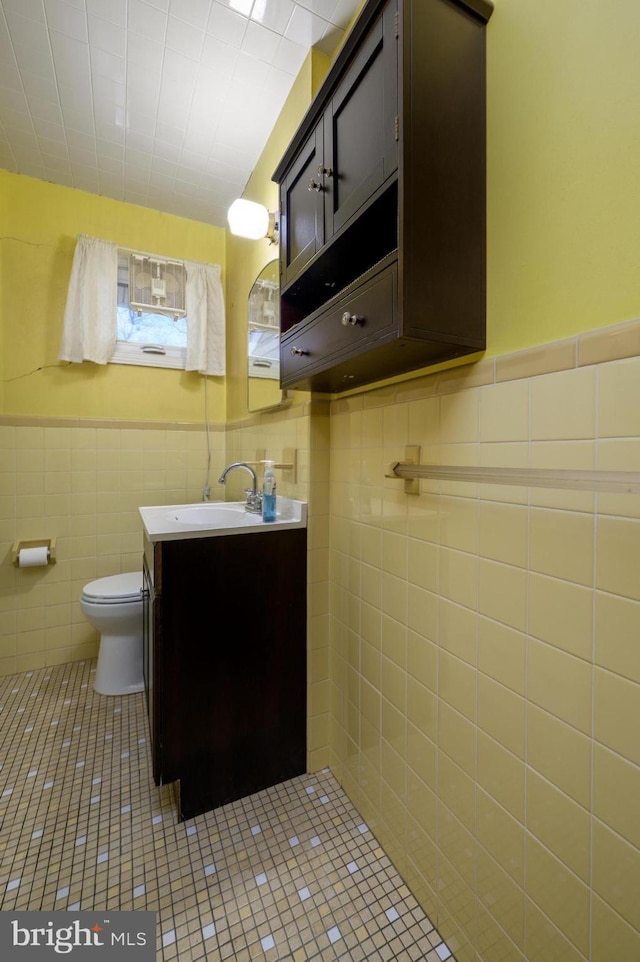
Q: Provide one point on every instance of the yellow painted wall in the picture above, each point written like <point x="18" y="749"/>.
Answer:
<point x="246" y="258"/>
<point x="563" y="141"/>
<point x="563" y="204"/>
<point x="40" y="225"/>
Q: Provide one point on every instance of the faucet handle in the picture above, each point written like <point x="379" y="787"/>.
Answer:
<point x="254" y="500"/>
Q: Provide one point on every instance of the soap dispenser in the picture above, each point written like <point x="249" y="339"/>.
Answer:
<point x="269" y="493"/>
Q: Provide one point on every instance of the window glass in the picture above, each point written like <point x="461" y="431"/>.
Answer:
<point x="146" y="338"/>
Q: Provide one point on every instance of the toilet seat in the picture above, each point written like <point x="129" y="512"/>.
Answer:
<point x="114" y="589"/>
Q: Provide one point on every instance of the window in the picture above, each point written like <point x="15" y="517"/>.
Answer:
<point x="161" y="287"/>
<point x="147" y="337"/>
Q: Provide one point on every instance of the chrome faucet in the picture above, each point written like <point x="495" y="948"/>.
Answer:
<point x="254" y="498"/>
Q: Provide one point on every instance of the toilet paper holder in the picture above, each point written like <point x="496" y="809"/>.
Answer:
<point x="48" y="543"/>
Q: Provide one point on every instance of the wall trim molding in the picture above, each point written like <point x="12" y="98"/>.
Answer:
<point x="34" y="420"/>
<point x="614" y="343"/>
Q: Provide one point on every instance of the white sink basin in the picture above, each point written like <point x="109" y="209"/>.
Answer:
<point x="212" y="515"/>
<point x="172" y="522"/>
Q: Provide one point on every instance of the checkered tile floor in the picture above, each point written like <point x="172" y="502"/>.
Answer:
<point x="290" y="873"/>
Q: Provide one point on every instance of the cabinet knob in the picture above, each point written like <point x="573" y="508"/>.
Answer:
<point x="324" y="171"/>
<point x="314" y="185"/>
<point x="297" y="351"/>
<point x="352" y="319"/>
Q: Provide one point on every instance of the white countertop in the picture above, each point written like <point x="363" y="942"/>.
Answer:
<point x="210" y="519"/>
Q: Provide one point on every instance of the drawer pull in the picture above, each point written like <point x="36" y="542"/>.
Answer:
<point x="352" y="319"/>
<point x="297" y="351"/>
<point x="314" y="185"/>
<point x="324" y="171"/>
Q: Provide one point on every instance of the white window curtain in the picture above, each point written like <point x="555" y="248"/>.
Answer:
<point x="205" y="319"/>
<point x="89" y="332"/>
<point x="90" y="316"/>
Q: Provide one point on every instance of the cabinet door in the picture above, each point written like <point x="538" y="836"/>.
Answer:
<point x="361" y="125"/>
<point x="302" y="209"/>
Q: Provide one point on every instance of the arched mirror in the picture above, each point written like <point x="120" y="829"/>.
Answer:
<point x="263" y="363"/>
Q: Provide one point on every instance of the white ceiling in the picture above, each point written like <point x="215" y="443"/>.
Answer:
<point x="163" y="103"/>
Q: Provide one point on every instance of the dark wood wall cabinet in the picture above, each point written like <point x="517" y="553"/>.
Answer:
<point x="382" y="201"/>
<point x="225" y="664"/>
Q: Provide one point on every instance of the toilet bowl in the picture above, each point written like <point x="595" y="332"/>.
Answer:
<point x="113" y="605"/>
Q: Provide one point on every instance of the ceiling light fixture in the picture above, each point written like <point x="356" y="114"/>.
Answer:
<point x="251" y="220"/>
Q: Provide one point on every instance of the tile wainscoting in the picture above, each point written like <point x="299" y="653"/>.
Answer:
<point x="484" y="658"/>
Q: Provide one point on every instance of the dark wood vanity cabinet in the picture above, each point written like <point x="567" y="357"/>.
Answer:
<point x="225" y="664"/>
<point x="382" y="201"/>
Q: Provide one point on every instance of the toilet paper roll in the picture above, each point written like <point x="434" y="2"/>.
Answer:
<point x="33" y="557"/>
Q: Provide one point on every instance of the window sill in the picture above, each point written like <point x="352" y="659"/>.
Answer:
<point x="128" y="352"/>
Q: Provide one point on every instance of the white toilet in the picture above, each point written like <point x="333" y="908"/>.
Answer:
<point x="113" y="605"/>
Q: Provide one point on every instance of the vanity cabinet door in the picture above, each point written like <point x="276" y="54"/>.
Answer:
<point x="302" y="209"/>
<point x="361" y="126"/>
<point x="234" y="665"/>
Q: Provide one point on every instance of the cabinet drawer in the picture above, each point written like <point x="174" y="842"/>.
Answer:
<point x="343" y="329"/>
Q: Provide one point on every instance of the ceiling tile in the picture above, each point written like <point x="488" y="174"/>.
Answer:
<point x="274" y="14"/>
<point x="55" y="147"/>
<point x="142" y="98"/>
<point x="144" y="54"/>
<point x="66" y="18"/>
<point x="107" y="93"/>
<point x="76" y="102"/>
<point x="260" y="42"/>
<point x="323" y="8"/>
<point x="219" y="56"/>
<point x="140" y="123"/>
<point x="195" y="12"/>
<point x="179" y="70"/>
<point x="171" y="108"/>
<point x="147" y="20"/>
<point x="25" y="31"/>
<point x="107" y="36"/>
<point x="343" y="13"/>
<point x="85" y="157"/>
<point x="71" y="60"/>
<point x="240" y="6"/>
<point x="163" y="168"/>
<point x="305" y="27"/>
<point x="139" y="141"/>
<point x="33" y="9"/>
<point x="226" y="25"/>
<point x="50" y="129"/>
<point x="249" y="74"/>
<point x="39" y="87"/>
<point x="115" y="10"/>
<point x="10" y="75"/>
<point x="14" y="100"/>
<point x="167" y="103"/>
<point x="289" y="56"/>
<point x="15" y="121"/>
<point x="107" y="149"/>
<point x="104" y="64"/>
<point x="184" y="38"/>
<point x="56" y="165"/>
<point x="112" y="132"/>
<point x="160" y="4"/>
<point x="78" y="138"/>
<point x="168" y="135"/>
